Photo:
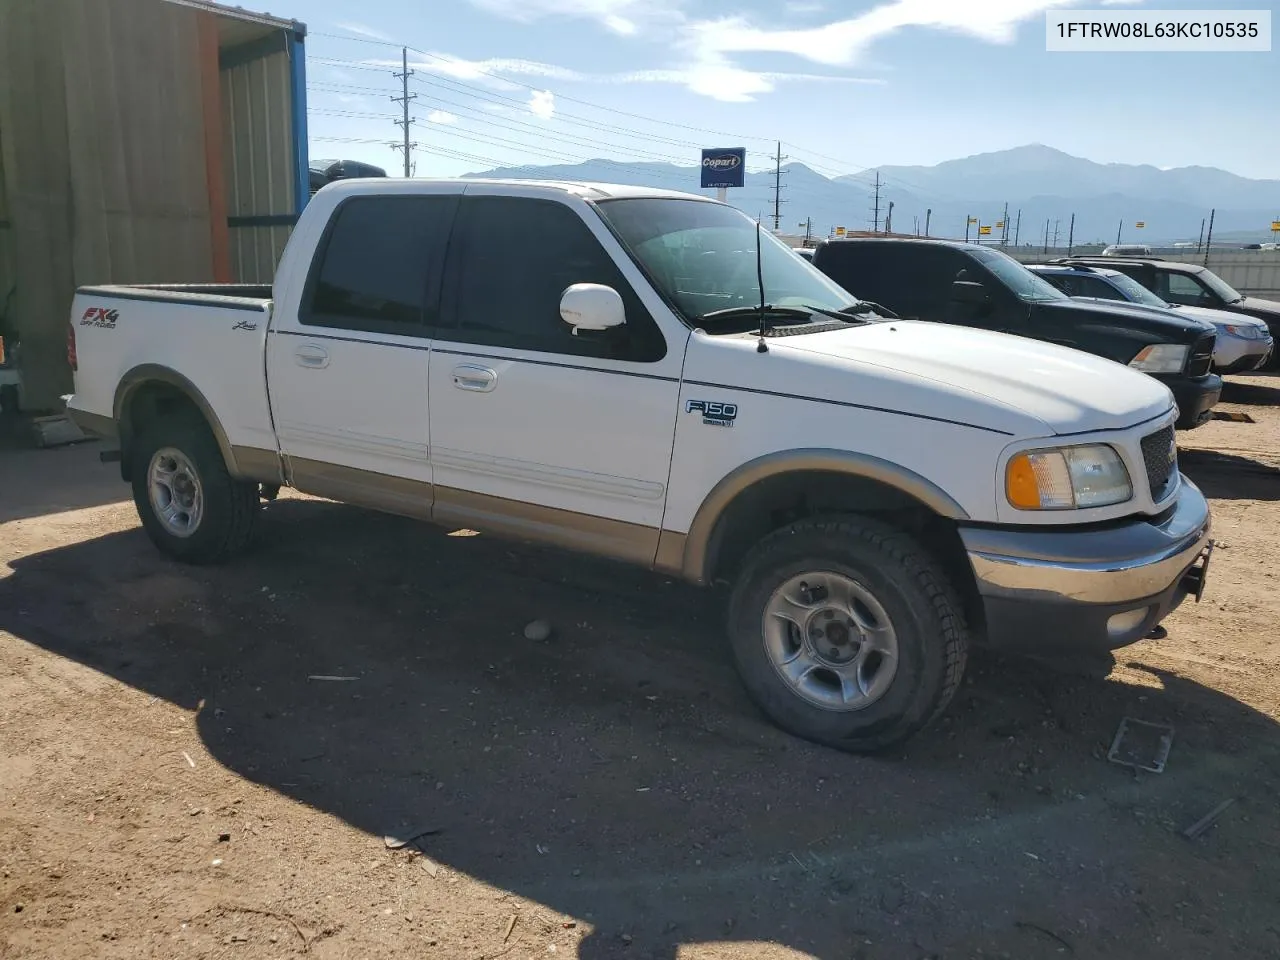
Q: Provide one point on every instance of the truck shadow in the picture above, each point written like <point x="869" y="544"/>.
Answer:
<point x="1228" y="476"/>
<point x="616" y="773"/>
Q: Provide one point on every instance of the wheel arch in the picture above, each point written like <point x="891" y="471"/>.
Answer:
<point x="149" y="390"/>
<point x="757" y="497"/>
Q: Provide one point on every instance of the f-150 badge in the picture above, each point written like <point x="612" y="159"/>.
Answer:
<point x="714" y="413"/>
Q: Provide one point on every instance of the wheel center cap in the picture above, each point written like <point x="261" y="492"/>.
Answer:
<point x="833" y="637"/>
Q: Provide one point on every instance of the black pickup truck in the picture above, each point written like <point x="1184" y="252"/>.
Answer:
<point x="976" y="286"/>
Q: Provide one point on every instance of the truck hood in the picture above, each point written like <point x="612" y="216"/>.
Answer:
<point x="1067" y="390"/>
<point x="1166" y="326"/>
<point x="1265" y="309"/>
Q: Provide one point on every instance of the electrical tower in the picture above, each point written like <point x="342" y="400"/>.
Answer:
<point x="404" y="100"/>
<point x="777" y="189"/>
<point x="875" y="211"/>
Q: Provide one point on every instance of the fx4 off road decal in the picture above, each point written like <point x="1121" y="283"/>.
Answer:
<point x="100" y="317"/>
<point x="713" y="412"/>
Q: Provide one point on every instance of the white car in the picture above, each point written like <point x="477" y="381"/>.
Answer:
<point x="589" y="366"/>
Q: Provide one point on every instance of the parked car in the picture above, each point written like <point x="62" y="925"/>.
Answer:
<point x="1261" y="246"/>
<point x="974" y="286"/>
<point x="1126" y="250"/>
<point x="1243" y="343"/>
<point x="594" y="371"/>
<point x="1192" y="285"/>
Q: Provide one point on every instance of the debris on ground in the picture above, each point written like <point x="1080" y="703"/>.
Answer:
<point x="395" y="841"/>
<point x="1141" y="745"/>
<point x="1208" y="820"/>
<point x="511" y="925"/>
<point x="537" y="630"/>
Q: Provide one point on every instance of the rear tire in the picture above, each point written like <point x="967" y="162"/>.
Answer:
<point x="847" y="632"/>
<point x="190" y="505"/>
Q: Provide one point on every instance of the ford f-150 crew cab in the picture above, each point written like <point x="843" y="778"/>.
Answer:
<point x="591" y="367"/>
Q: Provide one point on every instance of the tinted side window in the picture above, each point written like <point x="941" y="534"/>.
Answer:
<point x="863" y="269"/>
<point x="380" y="265"/>
<point x="1184" y="289"/>
<point x="512" y="259"/>
<point x="1095" y="287"/>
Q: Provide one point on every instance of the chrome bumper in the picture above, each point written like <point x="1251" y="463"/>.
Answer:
<point x="1096" y="587"/>
<point x="1110" y="565"/>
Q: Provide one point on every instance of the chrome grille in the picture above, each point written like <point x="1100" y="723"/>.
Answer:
<point x="1160" y="456"/>
<point x="1201" y="358"/>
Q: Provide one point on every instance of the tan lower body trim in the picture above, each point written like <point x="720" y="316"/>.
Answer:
<point x="446" y="506"/>
<point x="254" y="463"/>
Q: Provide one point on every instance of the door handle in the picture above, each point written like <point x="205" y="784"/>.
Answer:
<point x="309" y="355"/>
<point x="472" y="376"/>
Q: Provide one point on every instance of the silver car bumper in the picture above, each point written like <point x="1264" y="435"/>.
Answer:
<point x="1101" y="587"/>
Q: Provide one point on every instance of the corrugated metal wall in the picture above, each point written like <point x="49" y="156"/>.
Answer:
<point x="257" y="107"/>
<point x="124" y="135"/>
<point x="103" y="160"/>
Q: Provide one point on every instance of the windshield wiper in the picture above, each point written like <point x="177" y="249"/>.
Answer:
<point x="743" y="313"/>
<point x="868" y="306"/>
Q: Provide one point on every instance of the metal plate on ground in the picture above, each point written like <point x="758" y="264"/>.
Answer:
<point x="1141" y="745"/>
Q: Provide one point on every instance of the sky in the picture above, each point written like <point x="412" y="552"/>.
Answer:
<point x="844" y="84"/>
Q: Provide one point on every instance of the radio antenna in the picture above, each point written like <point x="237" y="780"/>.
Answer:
<point x="761" y="346"/>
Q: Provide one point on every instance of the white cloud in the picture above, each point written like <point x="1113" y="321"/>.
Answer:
<point x="364" y="30"/>
<point x="623" y="17"/>
<point x="1122" y="3"/>
<point x="441" y="116"/>
<point x="542" y="104"/>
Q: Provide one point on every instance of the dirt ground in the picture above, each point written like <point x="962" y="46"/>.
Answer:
<point x="178" y="778"/>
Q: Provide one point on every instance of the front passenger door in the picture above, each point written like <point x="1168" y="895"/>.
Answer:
<point x="537" y="431"/>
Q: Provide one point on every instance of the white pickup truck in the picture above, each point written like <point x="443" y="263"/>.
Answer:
<point x="595" y="367"/>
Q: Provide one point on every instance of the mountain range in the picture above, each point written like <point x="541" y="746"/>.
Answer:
<point x="1046" y="185"/>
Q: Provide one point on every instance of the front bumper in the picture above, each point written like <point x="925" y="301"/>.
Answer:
<point x="1098" y="588"/>
<point x="1195" y="397"/>
<point x="1238" y="355"/>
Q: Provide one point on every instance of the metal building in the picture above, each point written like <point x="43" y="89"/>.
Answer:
<point x="140" y="141"/>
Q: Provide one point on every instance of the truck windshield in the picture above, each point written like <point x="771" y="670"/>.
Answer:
<point x="1228" y="293"/>
<point x="702" y="257"/>
<point x="1024" y="284"/>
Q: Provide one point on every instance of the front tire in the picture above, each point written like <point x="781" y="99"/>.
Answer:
<point x="190" y="505"/>
<point x="847" y="632"/>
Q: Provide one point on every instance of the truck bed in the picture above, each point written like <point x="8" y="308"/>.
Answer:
<point x="229" y="295"/>
<point x="206" y="340"/>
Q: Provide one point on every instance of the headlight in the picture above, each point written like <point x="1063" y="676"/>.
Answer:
<point x="1161" y="358"/>
<point x="1245" y="333"/>
<point x="1067" y="478"/>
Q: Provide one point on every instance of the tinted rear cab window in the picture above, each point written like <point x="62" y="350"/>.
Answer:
<point x="379" y="265"/>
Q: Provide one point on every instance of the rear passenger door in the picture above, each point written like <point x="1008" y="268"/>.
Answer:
<point x="536" y="430"/>
<point x="348" y="373"/>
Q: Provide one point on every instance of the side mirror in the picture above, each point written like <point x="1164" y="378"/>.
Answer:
<point x="966" y="291"/>
<point x="592" y="306"/>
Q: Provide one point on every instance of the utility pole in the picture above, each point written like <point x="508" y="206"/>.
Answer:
<point x="777" y="189"/>
<point x="928" y="215"/>
<point x="1046" y="235"/>
<point x="915" y="224"/>
<point x="875" y="211"/>
<point x="1200" y="242"/>
<point x="1055" y="234"/>
<point x="1071" y="235"/>
<point x="967" y="220"/>
<point x="404" y="100"/>
<point x="1118" y="229"/>
<point x="1209" y="240"/>
<point x="888" y="220"/>
<point x="808" y="231"/>
<point x="1018" y="229"/>
<point x="1004" y="224"/>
